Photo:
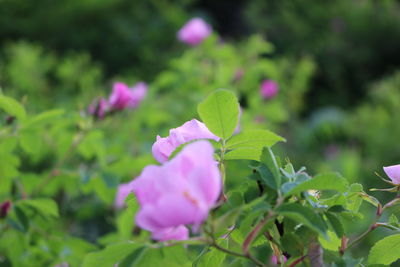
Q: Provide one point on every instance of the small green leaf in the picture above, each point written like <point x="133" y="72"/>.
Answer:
<point x="327" y="181"/>
<point x="303" y="215"/>
<point x="19" y="220"/>
<point x="254" y="139"/>
<point x="44" y="206"/>
<point x="12" y="107"/>
<point x="332" y="242"/>
<point x="393" y="219"/>
<point x="111" y="255"/>
<point x="268" y="158"/>
<point x="385" y="251"/>
<point x="220" y="112"/>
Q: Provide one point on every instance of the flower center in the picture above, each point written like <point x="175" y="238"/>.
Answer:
<point x="187" y="195"/>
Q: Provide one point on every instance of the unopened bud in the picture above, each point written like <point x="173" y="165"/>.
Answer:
<point x="4" y="209"/>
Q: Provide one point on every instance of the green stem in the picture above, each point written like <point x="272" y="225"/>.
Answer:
<point x="374" y="223"/>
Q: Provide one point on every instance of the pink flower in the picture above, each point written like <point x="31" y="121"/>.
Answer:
<point x="122" y="193"/>
<point x="268" y="89"/>
<point x="194" y="31"/>
<point x="4" y="208"/>
<point x="393" y="172"/>
<point x="98" y="108"/>
<point x="180" y="192"/>
<point x="124" y="97"/>
<point x="274" y="259"/>
<point x="191" y="130"/>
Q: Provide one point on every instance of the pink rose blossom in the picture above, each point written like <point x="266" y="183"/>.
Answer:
<point x="122" y="193"/>
<point x="268" y="89"/>
<point x="194" y="31"/>
<point x="124" y="97"/>
<point x="393" y="172"/>
<point x="98" y="108"/>
<point x="180" y="192"/>
<point x="191" y="130"/>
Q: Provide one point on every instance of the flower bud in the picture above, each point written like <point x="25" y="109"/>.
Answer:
<point x="4" y="209"/>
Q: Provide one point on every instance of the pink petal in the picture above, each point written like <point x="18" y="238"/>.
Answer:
<point x="204" y="176"/>
<point x="138" y="93"/>
<point x="180" y="192"/>
<point x="393" y="172"/>
<point x="174" y="233"/>
<point x="122" y="193"/>
<point x="189" y="131"/>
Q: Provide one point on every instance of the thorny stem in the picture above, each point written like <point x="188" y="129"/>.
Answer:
<point x="297" y="261"/>
<point x="374" y="223"/>
<point x="237" y="254"/>
<point x="214" y="244"/>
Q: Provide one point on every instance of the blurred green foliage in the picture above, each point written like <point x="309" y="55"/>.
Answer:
<point x="353" y="42"/>
<point x="127" y="36"/>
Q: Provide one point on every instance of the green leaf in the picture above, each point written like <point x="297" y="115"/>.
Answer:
<point x="30" y="142"/>
<point x="327" y="181"/>
<point x="126" y="219"/>
<point x="111" y="255"/>
<point x="43" y="118"/>
<point x="303" y="215"/>
<point x="385" y="251"/>
<point x="292" y="244"/>
<point x="44" y="206"/>
<point x="12" y="107"/>
<point x="335" y="223"/>
<point x="212" y="257"/>
<point x="354" y="198"/>
<point x="220" y="112"/>
<point x="243" y="153"/>
<point x="254" y="139"/>
<point x="331" y="242"/>
<point x="268" y="158"/>
<point x="19" y="220"/>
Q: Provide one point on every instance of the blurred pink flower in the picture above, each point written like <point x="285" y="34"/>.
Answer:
<point x="268" y="89"/>
<point x="124" y="97"/>
<point x="238" y="75"/>
<point x="191" y="130"/>
<point x="274" y="259"/>
<point x="194" y="31"/>
<point x="122" y="193"/>
<point x="178" y="193"/>
<point x="4" y="208"/>
<point x="393" y="172"/>
<point x="98" y="108"/>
